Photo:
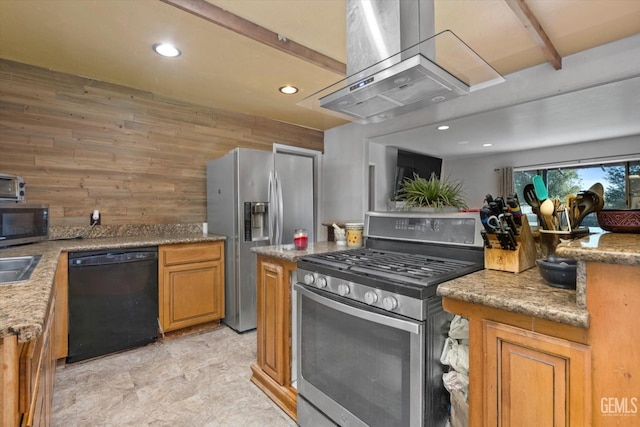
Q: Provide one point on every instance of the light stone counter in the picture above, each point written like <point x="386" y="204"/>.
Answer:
<point x="610" y="248"/>
<point x="526" y="293"/>
<point x="291" y="254"/>
<point x="23" y="305"/>
<point x="523" y="293"/>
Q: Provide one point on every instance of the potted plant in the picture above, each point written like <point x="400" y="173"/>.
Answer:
<point x="433" y="193"/>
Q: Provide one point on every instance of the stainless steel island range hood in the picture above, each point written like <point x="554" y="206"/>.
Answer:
<point x="396" y="64"/>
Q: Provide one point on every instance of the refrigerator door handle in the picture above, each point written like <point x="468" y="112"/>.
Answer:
<point x="280" y="217"/>
<point x="272" y="209"/>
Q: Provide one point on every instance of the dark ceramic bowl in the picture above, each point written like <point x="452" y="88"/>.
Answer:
<point x="558" y="272"/>
<point x="620" y="220"/>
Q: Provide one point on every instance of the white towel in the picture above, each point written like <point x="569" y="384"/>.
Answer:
<point x="455" y="381"/>
<point x="455" y="355"/>
<point x="446" y="351"/>
<point x="459" y="328"/>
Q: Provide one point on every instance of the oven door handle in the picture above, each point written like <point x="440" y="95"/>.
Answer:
<point x="393" y="322"/>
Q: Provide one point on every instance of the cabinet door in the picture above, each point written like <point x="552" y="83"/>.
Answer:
<point x="273" y="298"/>
<point x="61" y="326"/>
<point x="534" y="380"/>
<point x="41" y="375"/>
<point x="191" y="294"/>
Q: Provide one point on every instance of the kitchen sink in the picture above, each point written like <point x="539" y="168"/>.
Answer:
<point x="17" y="269"/>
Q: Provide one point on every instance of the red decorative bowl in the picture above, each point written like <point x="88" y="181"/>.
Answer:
<point x="620" y="220"/>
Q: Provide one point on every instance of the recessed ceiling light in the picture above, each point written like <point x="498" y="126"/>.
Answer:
<point x="487" y="145"/>
<point x="288" y="90"/>
<point x="166" y="49"/>
<point x="463" y="142"/>
<point x="443" y="127"/>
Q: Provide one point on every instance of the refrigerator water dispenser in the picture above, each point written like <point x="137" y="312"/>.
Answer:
<point x="256" y="225"/>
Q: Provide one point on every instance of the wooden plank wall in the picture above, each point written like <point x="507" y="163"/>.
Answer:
<point x="82" y="144"/>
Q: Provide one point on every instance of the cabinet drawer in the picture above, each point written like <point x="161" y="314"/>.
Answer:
<point x="190" y="252"/>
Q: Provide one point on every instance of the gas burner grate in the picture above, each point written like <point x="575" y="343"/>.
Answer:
<point x="345" y="259"/>
<point x="396" y="266"/>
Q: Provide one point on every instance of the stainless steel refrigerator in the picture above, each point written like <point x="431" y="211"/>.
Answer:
<point x="257" y="198"/>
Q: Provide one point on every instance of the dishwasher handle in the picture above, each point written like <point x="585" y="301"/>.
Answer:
<point x="112" y="258"/>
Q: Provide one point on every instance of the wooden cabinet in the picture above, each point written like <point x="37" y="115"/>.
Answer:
<point x="191" y="284"/>
<point x="525" y="371"/>
<point x="61" y="323"/>
<point x="613" y="300"/>
<point x="29" y="368"/>
<point x="272" y="371"/>
<point x="533" y="379"/>
<point x="37" y="375"/>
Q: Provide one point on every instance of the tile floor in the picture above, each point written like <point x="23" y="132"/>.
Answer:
<point x="194" y="380"/>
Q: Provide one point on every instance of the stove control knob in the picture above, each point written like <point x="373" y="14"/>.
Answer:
<point x="343" y="289"/>
<point x="370" y="297"/>
<point x="321" y="282"/>
<point x="389" y="303"/>
<point x="308" y="279"/>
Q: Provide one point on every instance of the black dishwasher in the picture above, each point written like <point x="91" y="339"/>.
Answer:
<point x="113" y="301"/>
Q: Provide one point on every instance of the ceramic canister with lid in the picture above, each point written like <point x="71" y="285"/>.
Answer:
<point x="354" y="234"/>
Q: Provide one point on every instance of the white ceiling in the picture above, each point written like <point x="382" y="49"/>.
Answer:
<point x="607" y="111"/>
<point x="111" y="40"/>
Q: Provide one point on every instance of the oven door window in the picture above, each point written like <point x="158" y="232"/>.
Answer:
<point x="359" y="365"/>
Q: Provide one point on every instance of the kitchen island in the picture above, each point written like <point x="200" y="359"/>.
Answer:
<point x="276" y="268"/>
<point x="33" y="316"/>
<point x="546" y="356"/>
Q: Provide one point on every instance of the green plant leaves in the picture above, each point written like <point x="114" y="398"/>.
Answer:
<point x="432" y="192"/>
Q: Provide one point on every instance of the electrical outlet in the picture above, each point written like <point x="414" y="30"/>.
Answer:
<point x="94" y="217"/>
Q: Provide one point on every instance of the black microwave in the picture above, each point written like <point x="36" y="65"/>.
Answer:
<point x="23" y="223"/>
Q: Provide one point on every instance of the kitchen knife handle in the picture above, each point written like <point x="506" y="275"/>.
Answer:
<point x="514" y="208"/>
<point x="502" y="239"/>
<point x="495" y="209"/>
<point x="487" y="242"/>
<point x="485" y="214"/>
<point x="502" y="206"/>
<point x="510" y="238"/>
<point x="510" y="220"/>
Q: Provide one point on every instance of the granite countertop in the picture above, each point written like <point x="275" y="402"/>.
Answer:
<point x="612" y="248"/>
<point x="291" y="254"/>
<point x="23" y="305"/>
<point x="526" y="293"/>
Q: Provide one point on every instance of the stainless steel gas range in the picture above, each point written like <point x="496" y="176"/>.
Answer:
<point x="370" y="327"/>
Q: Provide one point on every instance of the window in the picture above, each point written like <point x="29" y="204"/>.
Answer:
<point x="621" y="182"/>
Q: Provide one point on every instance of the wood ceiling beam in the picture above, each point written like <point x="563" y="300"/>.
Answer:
<point x="237" y="24"/>
<point x="530" y="22"/>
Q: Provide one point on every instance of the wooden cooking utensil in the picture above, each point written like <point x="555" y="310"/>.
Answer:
<point x="547" y="209"/>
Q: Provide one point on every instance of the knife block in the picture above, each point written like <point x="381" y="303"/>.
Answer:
<point x="523" y="258"/>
